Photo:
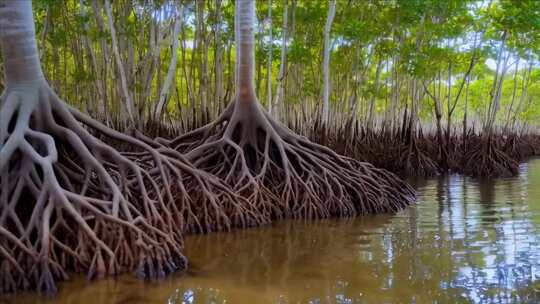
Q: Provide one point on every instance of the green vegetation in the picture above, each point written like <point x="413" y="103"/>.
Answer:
<point x="381" y="51"/>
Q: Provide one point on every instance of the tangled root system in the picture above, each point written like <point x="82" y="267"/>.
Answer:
<point x="284" y="175"/>
<point x="71" y="202"/>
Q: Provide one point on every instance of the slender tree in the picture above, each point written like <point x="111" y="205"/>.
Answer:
<point x="486" y="159"/>
<point x="326" y="61"/>
<point x="171" y="73"/>
<point x="269" y="62"/>
<point x="280" y="92"/>
<point x="128" y="99"/>
<point x="218" y="55"/>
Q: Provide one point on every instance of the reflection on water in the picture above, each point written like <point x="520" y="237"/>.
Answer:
<point x="464" y="241"/>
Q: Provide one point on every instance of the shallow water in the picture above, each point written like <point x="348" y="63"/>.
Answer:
<point x="464" y="241"/>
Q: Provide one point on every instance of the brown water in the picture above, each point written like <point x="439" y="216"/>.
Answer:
<point x="464" y="241"/>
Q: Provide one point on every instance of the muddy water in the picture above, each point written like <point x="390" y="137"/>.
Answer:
<point x="464" y="241"/>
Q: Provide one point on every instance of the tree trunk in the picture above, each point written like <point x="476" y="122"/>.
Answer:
<point x="101" y="102"/>
<point x="259" y="66"/>
<point x="171" y="73"/>
<point x="19" y="49"/>
<point x="218" y="58"/>
<point x="514" y="90"/>
<point x="203" y="46"/>
<point x="369" y="122"/>
<point x="496" y="87"/>
<point x="280" y="92"/>
<point x="130" y="106"/>
<point x="450" y="110"/>
<point x="326" y="61"/>
<point x="269" y="60"/>
<point x="524" y="89"/>
<point x="466" y="109"/>
<point x="245" y="51"/>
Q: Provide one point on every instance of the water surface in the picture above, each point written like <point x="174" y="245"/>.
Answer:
<point x="465" y="241"/>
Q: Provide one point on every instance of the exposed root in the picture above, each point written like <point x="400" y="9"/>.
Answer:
<point x="70" y="202"/>
<point x="486" y="160"/>
<point x="519" y="147"/>
<point x="284" y="174"/>
<point x="416" y="162"/>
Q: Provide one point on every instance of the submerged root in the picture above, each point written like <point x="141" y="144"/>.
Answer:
<point x="70" y="202"/>
<point x="285" y="175"/>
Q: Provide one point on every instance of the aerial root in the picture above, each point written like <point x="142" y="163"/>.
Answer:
<point x="416" y="162"/>
<point x="284" y="174"/>
<point x="486" y="160"/>
<point x="519" y="147"/>
<point x="70" y="202"/>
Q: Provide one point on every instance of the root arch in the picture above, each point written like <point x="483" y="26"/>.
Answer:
<point x="71" y="202"/>
<point x="285" y="174"/>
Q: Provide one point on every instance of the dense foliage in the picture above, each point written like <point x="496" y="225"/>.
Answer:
<point x="383" y="54"/>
